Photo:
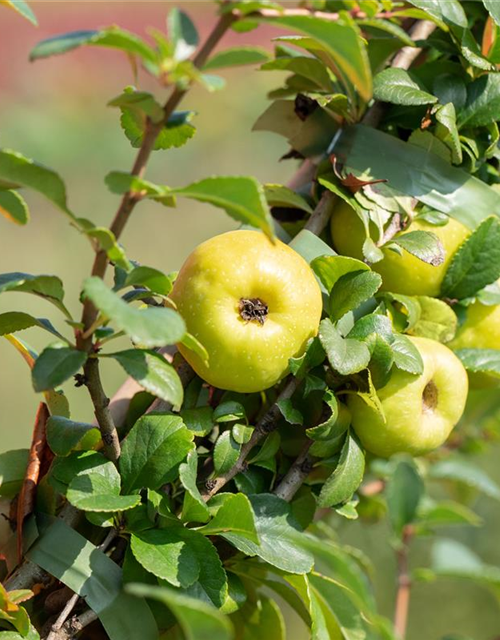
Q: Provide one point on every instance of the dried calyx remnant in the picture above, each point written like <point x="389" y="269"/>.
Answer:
<point x="253" y="309"/>
<point x="430" y="396"/>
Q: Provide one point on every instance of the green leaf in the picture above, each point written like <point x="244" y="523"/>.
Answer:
<point x="335" y="599"/>
<point x="447" y="130"/>
<point x="476" y="263"/>
<point x="197" y="619"/>
<point x="182" y="33"/>
<point x="424" y="245"/>
<point x="48" y="287"/>
<point x="154" y="280"/>
<point x="12" y="471"/>
<point x="278" y="534"/>
<point x="340" y="486"/>
<point x="13" y="207"/>
<point x="483" y="102"/>
<point x="65" y="436"/>
<point x="121" y="182"/>
<point x="18" y="171"/>
<point x="166" y="555"/>
<point x="98" y="489"/>
<point x="24" y="9"/>
<point x="279" y="196"/>
<point x="188" y="475"/>
<point x="397" y="86"/>
<point x="198" y="420"/>
<point x="493" y="9"/>
<point x="405" y="489"/>
<point x="112" y="37"/>
<point x="437" y="320"/>
<point x="347" y="356"/>
<point x="13" y="321"/>
<point x="289" y="412"/>
<point x="459" y="470"/>
<point x="56" y="364"/>
<point x="432" y="514"/>
<point x="351" y="290"/>
<point x="234" y="516"/>
<point x="107" y="241"/>
<point x="69" y="557"/>
<point x="387" y="26"/>
<point x="153" y="450"/>
<point x="242" y="198"/>
<point x="153" y="373"/>
<point x="226" y="453"/>
<point x="406" y="355"/>
<point x="237" y="56"/>
<point x="151" y="327"/>
<point x="481" y="360"/>
<point x="174" y="134"/>
<point x="141" y="101"/>
<point x="341" y="42"/>
<point x="229" y="411"/>
<point x="451" y="12"/>
<point x="416" y="172"/>
<point x="330" y="268"/>
<point x="266" y="620"/>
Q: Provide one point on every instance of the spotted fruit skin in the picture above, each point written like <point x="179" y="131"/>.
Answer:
<point x="410" y="425"/>
<point x="246" y="356"/>
<point x="404" y="274"/>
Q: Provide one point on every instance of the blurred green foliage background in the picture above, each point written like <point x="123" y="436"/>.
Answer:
<point x="55" y="111"/>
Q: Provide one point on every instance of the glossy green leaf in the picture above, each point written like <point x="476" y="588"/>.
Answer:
<point x="278" y="533"/>
<point x="450" y="12"/>
<point x="141" y="101"/>
<point x="198" y="420"/>
<point x="153" y="279"/>
<point x="151" y="327"/>
<point x="153" y="373"/>
<point x="416" y="172"/>
<point x="493" y="9"/>
<point x="265" y="620"/>
<point x="340" y="486"/>
<point x="197" y="619"/>
<point x="174" y="134"/>
<point x="65" y="436"/>
<point x="234" y="516"/>
<point x="447" y="130"/>
<point x="424" y="245"/>
<point x="476" y="263"/>
<point x="229" y="411"/>
<point x="56" y="364"/>
<point x="481" y="360"/>
<point x="437" y="320"/>
<point x="188" y="475"/>
<point x="289" y="412"/>
<point x="166" y="555"/>
<point x="351" y="290"/>
<point x="462" y="471"/>
<point x="98" y="489"/>
<point x="279" y="196"/>
<point x="405" y="489"/>
<point x="24" y="9"/>
<point x="483" y="102"/>
<point x="107" y="241"/>
<point x="397" y="86"/>
<point x="347" y="356"/>
<point x="69" y="557"/>
<point x="342" y="44"/>
<point x="182" y="33"/>
<point x="153" y="450"/>
<point x="112" y="37"/>
<point x="330" y="268"/>
<point x="121" y="182"/>
<point x="12" y="471"/>
<point x="226" y="453"/>
<point x="48" y="287"/>
<point x="242" y="198"/>
<point x="65" y="469"/>
<point x="13" y="207"/>
<point x="406" y="355"/>
<point x="237" y="56"/>
<point x="14" y="321"/>
<point x="18" y="171"/>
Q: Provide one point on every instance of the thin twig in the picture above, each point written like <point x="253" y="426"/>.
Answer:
<point x="110" y="439"/>
<point x="403" y="585"/>
<point x="321" y="214"/>
<point x="266" y="425"/>
<point x="296" y="475"/>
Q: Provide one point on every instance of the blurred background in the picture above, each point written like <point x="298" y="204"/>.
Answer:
<point x="55" y="111"/>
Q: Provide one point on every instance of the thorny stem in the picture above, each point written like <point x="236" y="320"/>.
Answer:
<point x="403" y="585"/>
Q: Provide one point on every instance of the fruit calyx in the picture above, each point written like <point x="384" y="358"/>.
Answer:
<point x="253" y="310"/>
<point x="430" y="396"/>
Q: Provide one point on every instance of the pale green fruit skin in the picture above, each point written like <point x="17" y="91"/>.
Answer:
<point x="246" y="356"/>
<point x="408" y="426"/>
<point x="404" y="274"/>
<point x="481" y="330"/>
